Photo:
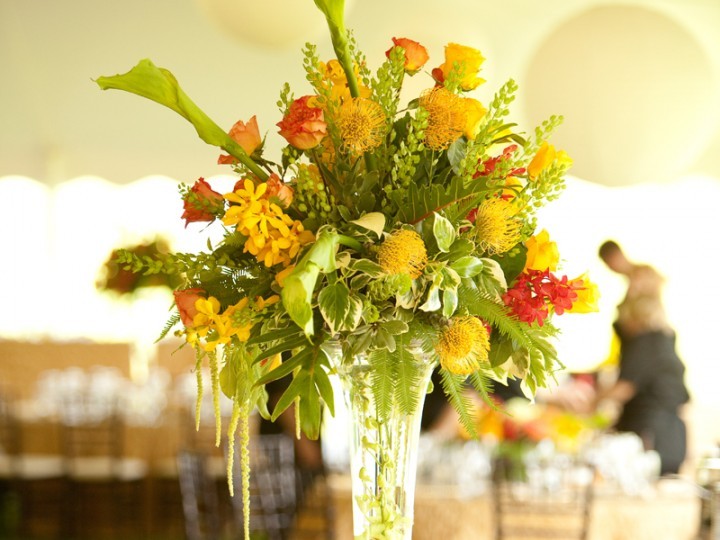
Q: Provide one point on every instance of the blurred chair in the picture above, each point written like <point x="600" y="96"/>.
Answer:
<point x="199" y="497"/>
<point x="273" y="486"/>
<point x="108" y="486"/>
<point x="550" y="501"/>
<point x="31" y="485"/>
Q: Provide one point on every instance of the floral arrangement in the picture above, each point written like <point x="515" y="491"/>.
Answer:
<point x="124" y="282"/>
<point x="519" y="424"/>
<point x="383" y="226"/>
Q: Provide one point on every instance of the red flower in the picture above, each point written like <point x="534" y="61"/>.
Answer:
<point x="536" y="293"/>
<point x="202" y="203"/>
<point x="490" y="164"/>
<point x="303" y="126"/>
<point x="185" y="301"/>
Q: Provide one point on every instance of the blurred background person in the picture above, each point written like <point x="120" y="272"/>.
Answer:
<point x="650" y="388"/>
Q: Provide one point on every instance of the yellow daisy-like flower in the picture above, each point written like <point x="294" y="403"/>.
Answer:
<point x="463" y="345"/>
<point x="221" y="327"/>
<point x="362" y="125"/>
<point x="273" y="237"/>
<point x="447" y="117"/>
<point x="403" y="252"/>
<point x="496" y="227"/>
<point x="247" y="202"/>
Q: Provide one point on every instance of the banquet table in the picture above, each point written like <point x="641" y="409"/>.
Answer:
<point x="669" y="512"/>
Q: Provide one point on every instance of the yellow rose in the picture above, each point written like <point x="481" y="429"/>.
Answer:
<point x="474" y="113"/>
<point x="563" y="159"/>
<point x="468" y="59"/>
<point x="542" y="253"/>
<point x="588" y="295"/>
<point x="543" y="158"/>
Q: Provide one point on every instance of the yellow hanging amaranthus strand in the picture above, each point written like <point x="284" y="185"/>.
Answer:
<point x="215" y="383"/>
<point x="198" y="399"/>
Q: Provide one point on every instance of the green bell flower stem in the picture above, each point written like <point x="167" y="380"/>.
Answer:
<point x="334" y="11"/>
<point x="350" y="242"/>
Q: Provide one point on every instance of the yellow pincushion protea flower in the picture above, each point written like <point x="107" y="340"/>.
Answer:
<point x="463" y="345"/>
<point x="362" y="125"/>
<point x="403" y="252"/>
<point x="447" y="117"/>
<point x="496" y="227"/>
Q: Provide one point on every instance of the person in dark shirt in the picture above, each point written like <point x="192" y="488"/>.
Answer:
<point x="650" y="385"/>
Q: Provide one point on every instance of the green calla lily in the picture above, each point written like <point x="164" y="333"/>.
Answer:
<point x="298" y="287"/>
<point x="160" y="85"/>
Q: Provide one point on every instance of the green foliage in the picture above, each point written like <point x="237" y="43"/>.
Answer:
<point x="456" y="391"/>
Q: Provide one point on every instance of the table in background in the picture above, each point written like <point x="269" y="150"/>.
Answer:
<point x="441" y="512"/>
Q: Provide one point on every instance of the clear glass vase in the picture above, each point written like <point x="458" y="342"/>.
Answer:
<point x="383" y="452"/>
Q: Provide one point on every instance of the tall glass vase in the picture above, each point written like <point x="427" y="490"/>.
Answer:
<point x="383" y="452"/>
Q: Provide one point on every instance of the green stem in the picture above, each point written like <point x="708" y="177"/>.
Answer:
<point x="236" y="151"/>
<point x="349" y="242"/>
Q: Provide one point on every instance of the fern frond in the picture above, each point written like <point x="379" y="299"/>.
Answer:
<point x="172" y="321"/>
<point x="408" y="372"/>
<point x="383" y="380"/>
<point x="454" y="387"/>
<point x="483" y="385"/>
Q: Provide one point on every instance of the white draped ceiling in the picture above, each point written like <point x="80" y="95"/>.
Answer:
<point x="637" y="80"/>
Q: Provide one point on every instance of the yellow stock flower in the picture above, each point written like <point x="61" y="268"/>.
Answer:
<point x="542" y="253"/>
<point x="546" y="156"/>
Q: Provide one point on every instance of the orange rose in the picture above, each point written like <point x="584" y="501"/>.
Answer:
<point x="415" y="54"/>
<point x="303" y="126"/>
<point x="246" y="135"/>
<point x="202" y="203"/>
<point x="185" y="301"/>
<point x="278" y="188"/>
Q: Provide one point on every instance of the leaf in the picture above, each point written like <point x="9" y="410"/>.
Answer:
<point x="432" y="303"/>
<point x="285" y="345"/>
<point x="450" y="302"/>
<point x="354" y="313"/>
<point x="395" y="327"/>
<point x="444" y="232"/>
<point x="492" y="278"/>
<point x="297" y="387"/>
<point x="324" y="386"/>
<point x="228" y="380"/>
<point x="367" y="266"/>
<point x="467" y="266"/>
<point x="160" y="85"/>
<point x="456" y="153"/>
<point x="512" y="262"/>
<point x="373" y="221"/>
<point x="274" y="335"/>
<point x="419" y="202"/>
<point x="334" y="304"/>
<point x="285" y="368"/>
